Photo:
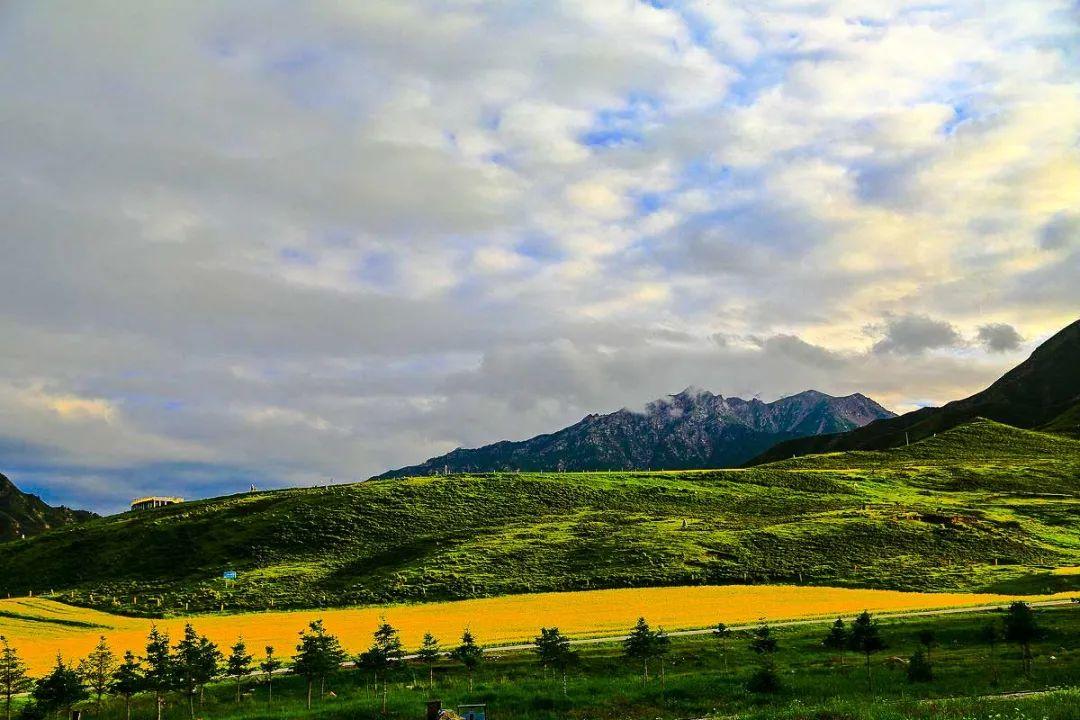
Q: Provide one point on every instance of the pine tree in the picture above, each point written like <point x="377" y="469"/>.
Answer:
<point x="928" y="639"/>
<point x="238" y="664"/>
<point x="469" y="654"/>
<point x="60" y="689"/>
<point x="661" y="647"/>
<point x="318" y="654"/>
<point x="1021" y="628"/>
<point x="269" y="665"/>
<point x="385" y="655"/>
<point x="429" y="655"/>
<point x="96" y="670"/>
<point x="919" y="668"/>
<point x="866" y="639"/>
<point x="127" y="680"/>
<point x="762" y="641"/>
<point x="765" y="679"/>
<point x="554" y="651"/>
<point x="195" y="664"/>
<point x="640" y="645"/>
<point x="160" y="673"/>
<point x="837" y="639"/>
<point x="13" y="677"/>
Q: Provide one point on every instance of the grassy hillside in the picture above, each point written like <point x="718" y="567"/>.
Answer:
<point x="1067" y="423"/>
<point x="1043" y="392"/>
<point x="23" y="514"/>
<point x="981" y="507"/>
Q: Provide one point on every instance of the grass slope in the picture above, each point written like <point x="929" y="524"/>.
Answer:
<point x="1034" y="394"/>
<point x="983" y="507"/>
<point x="25" y="514"/>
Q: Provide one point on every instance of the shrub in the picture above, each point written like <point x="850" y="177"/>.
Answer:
<point x="765" y="680"/>
<point x="919" y="668"/>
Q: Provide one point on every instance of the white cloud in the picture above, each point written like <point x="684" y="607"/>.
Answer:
<point x="327" y="238"/>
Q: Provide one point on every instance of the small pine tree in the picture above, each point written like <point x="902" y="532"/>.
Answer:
<point x="762" y="642"/>
<point x="661" y="647"/>
<point x="765" y="679"/>
<point x="160" y="675"/>
<point x="919" y="668"/>
<point x="429" y="655"/>
<point x="195" y="664"/>
<point x="96" y="670"/>
<point x="866" y="639"/>
<point x="269" y="666"/>
<point x="837" y="639"/>
<point x="1021" y="628"/>
<point x="318" y="654"/>
<point x="554" y="651"/>
<point x="13" y="677"/>
<point x="928" y="639"/>
<point x="238" y="664"/>
<point x="469" y="654"/>
<point x="639" y="645"/>
<point x="60" y="689"/>
<point x="127" y="680"/>
<point x="383" y="657"/>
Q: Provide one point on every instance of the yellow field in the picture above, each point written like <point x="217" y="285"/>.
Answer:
<point x="30" y="623"/>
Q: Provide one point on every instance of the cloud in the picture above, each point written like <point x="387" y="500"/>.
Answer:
<point x="999" y="337"/>
<point x="321" y="239"/>
<point x="914" y="334"/>
<point x="1061" y="231"/>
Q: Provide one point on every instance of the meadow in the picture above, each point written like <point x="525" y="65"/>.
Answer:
<point x="42" y="628"/>
<point x="981" y="508"/>
<point x="706" y="678"/>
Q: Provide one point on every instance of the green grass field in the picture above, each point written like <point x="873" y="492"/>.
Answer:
<point x="983" y="507"/>
<point x="704" y="678"/>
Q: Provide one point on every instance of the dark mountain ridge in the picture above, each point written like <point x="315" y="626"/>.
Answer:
<point x="23" y="514"/>
<point x="1041" y="392"/>
<point x="693" y="429"/>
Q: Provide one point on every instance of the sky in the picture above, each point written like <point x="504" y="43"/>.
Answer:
<point x="291" y="243"/>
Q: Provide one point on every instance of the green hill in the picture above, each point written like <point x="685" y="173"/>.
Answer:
<point x="1043" y="392"/>
<point x="982" y="507"/>
<point x="1067" y="423"/>
<point x="23" y="514"/>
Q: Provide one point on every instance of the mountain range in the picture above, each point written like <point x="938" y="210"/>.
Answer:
<point x="23" y="514"/>
<point x="1043" y="392"/>
<point x="693" y="429"/>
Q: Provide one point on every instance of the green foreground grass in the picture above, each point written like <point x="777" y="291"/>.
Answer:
<point x="983" y="507"/>
<point x="704" y="678"/>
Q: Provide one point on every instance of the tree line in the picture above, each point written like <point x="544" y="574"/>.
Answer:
<point x="181" y="671"/>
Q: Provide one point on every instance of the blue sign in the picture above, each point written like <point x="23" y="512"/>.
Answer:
<point x="229" y="575"/>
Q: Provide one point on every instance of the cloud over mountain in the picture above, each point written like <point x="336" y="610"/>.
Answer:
<point x="321" y="239"/>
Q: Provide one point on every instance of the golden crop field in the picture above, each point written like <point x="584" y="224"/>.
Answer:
<point x="40" y="628"/>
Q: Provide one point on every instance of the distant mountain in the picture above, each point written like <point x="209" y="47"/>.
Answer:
<point x="1041" y="392"/>
<point x="22" y="514"/>
<point x="932" y="516"/>
<point x="694" y="429"/>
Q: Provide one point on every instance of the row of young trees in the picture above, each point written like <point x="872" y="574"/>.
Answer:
<point x="194" y="661"/>
<point x="1019" y="626"/>
<point x="863" y="636"/>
